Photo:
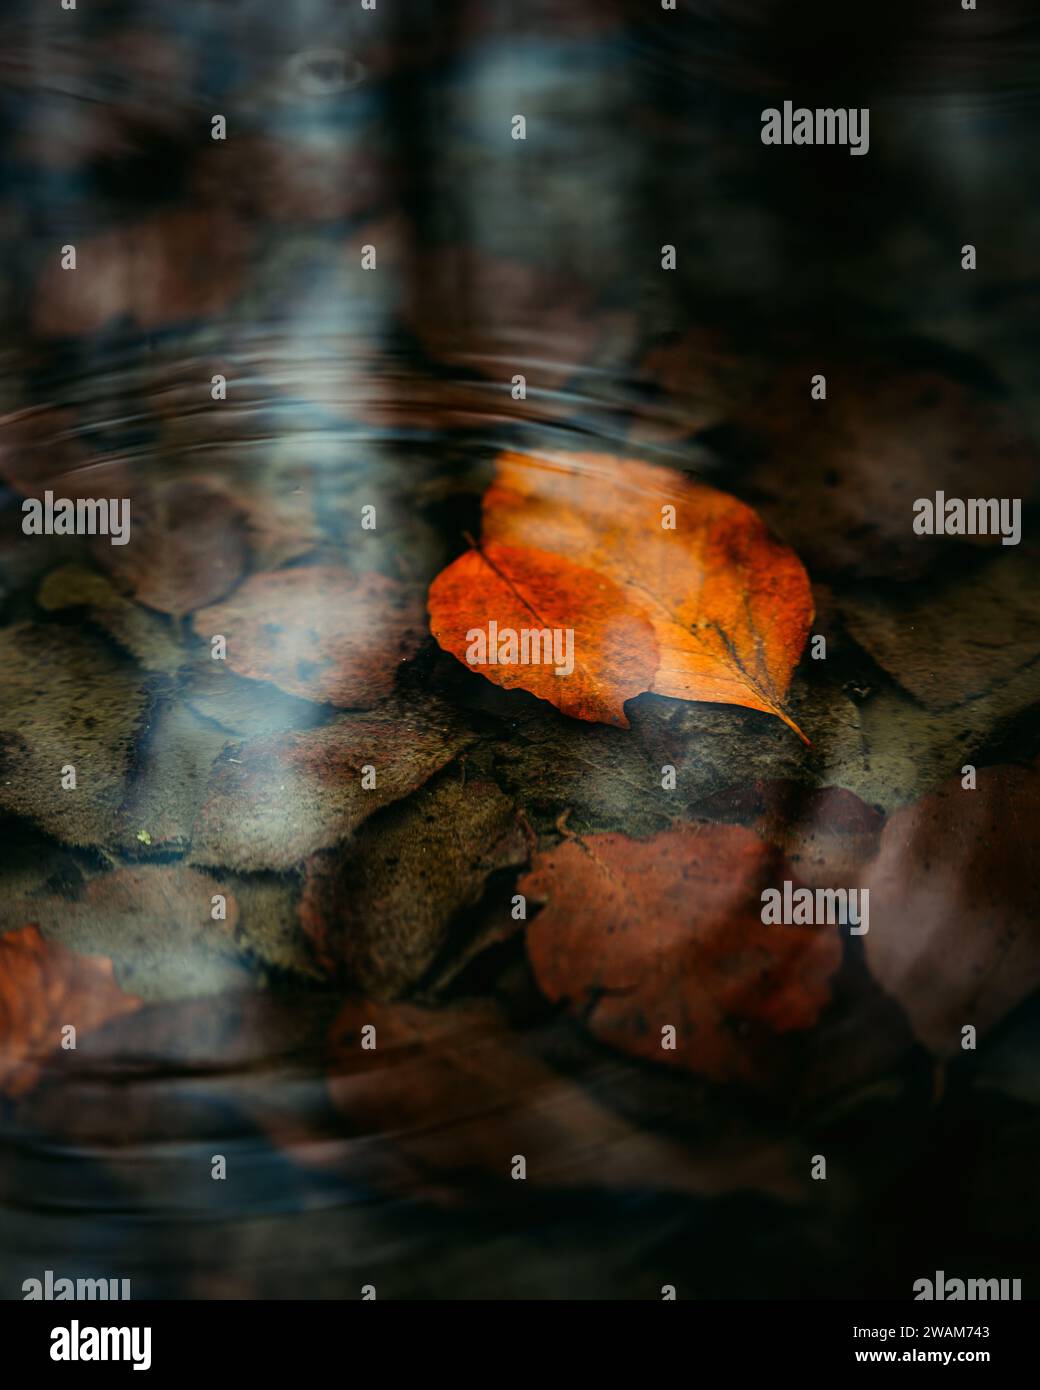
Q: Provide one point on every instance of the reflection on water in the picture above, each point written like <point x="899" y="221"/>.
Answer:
<point x="355" y="300"/>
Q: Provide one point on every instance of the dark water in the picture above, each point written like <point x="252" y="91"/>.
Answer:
<point x="393" y="386"/>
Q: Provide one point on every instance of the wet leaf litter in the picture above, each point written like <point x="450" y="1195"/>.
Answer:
<point x="243" y="781"/>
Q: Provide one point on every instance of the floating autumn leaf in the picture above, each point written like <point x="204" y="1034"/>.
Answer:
<point x="43" y="987"/>
<point x="729" y="607"/>
<point x="638" y="935"/>
<point x="600" y="651"/>
<point x="321" y="632"/>
<point x="953" y="922"/>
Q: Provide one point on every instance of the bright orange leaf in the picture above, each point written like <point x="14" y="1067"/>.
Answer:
<point x="729" y="607"/>
<point x="611" y="645"/>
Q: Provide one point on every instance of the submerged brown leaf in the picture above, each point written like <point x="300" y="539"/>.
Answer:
<point x="43" y="988"/>
<point x="954" y="932"/>
<point x="187" y="546"/>
<point x="381" y="912"/>
<point x="636" y="936"/>
<point x="320" y="632"/>
<point x="276" y="800"/>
